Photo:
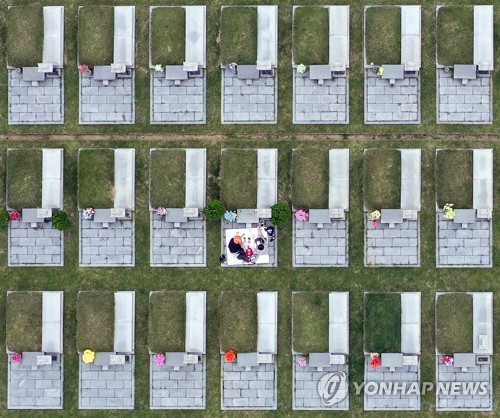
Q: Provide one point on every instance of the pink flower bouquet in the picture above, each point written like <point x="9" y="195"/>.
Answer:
<point x="160" y="359"/>
<point x="447" y="360"/>
<point x="17" y="357"/>
<point x="301" y="361"/>
<point x="301" y="215"/>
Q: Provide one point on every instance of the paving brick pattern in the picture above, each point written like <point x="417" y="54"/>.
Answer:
<point x="28" y="246"/>
<point x="254" y="389"/>
<point x="395" y="104"/>
<point x="256" y="103"/>
<point x="325" y="247"/>
<point x="393" y="247"/>
<point x="403" y="376"/>
<point x="111" y="104"/>
<point x="107" y="389"/>
<point x="320" y="104"/>
<point x="459" y="247"/>
<point x="305" y="387"/>
<point x="184" y="104"/>
<point x="35" y="105"/>
<point x="182" y="389"/>
<point x="273" y="252"/>
<point x="470" y="103"/>
<point x="35" y="389"/>
<point x="445" y="375"/>
<point x="178" y="247"/>
<point x="107" y="247"/>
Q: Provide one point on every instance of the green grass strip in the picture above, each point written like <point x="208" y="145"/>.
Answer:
<point x="383" y="35"/>
<point x="454" y="323"/>
<point x="96" y="178"/>
<point x="310" y="178"/>
<point x="24" y="36"/>
<point x="167" y="322"/>
<point x="382" y="322"/>
<point x="24" y="178"/>
<point x="455" y="35"/>
<point x="310" y="322"/>
<point x="168" y="178"/>
<point x="23" y="316"/>
<point x="454" y="171"/>
<point x="382" y="179"/>
<point x="96" y="35"/>
<point x="95" y="321"/>
<point x="168" y="35"/>
<point x="238" y="178"/>
<point x="238" y="321"/>
<point x="238" y="35"/>
<point x="311" y="30"/>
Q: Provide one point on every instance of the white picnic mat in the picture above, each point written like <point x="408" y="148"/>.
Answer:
<point x="245" y="233"/>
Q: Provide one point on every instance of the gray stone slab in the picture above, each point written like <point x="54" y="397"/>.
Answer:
<point x="124" y="178"/>
<point x="52" y="322"/>
<point x="196" y="35"/>
<point x="52" y="178"/>
<point x="267" y="36"/>
<point x="338" y="185"/>
<point x="338" y="44"/>
<point x="410" y="179"/>
<point x="196" y="178"/>
<point x="411" y="37"/>
<point x="482" y="178"/>
<point x="196" y="313"/>
<point x="338" y="323"/>
<point x="124" y="35"/>
<point x="124" y="335"/>
<point x="482" y="327"/>
<point x="483" y="37"/>
<point x="267" y="322"/>
<point x="267" y="177"/>
<point x="53" y="35"/>
<point x="410" y="323"/>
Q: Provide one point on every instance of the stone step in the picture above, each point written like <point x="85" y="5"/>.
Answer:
<point x="410" y="179"/>
<point x="125" y="178"/>
<point x="338" y="194"/>
<point x="195" y="322"/>
<point x="410" y="323"/>
<point x="53" y="36"/>
<point x="482" y="179"/>
<point x="196" y="178"/>
<point x="52" y="322"/>
<point x="338" y="335"/>
<point x="267" y="178"/>
<point x="483" y="37"/>
<point x="52" y="178"/>
<point x="482" y="327"/>
<point x="411" y="37"/>
<point x="124" y="36"/>
<point x="196" y="35"/>
<point x="124" y="322"/>
<point x="267" y="37"/>
<point x="339" y="37"/>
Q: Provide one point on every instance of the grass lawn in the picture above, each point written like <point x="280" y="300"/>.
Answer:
<point x="382" y="323"/>
<point x="168" y="35"/>
<point x="383" y="35"/>
<point x="310" y="322"/>
<point x="382" y="179"/>
<point x="455" y="35"/>
<point x="95" y="35"/>
<point x="95" y="317"/>
<point x="238" y="35"/>
<point x="168" y="178"/>
<point x="24" y="178"/>
<point x="238" y="178"/>
<point x="454" y="323"/>
<point x="310" y="35"/>
<point x="167" y="322"/>
<point x="454" y="170"/>
<point x="310" y="176"/>
<point x="238" y="321"/>
<point x="23" y="317"/>
<point x="96" y="178"/>
<point x="24" y="47"/>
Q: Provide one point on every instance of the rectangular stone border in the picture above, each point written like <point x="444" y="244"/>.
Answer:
<point x="203" y="407"/>
<point x="322" y="265"/>
<point x="35" y="123"/>
<point x="461" y="266"/>
<point x="61" y="264"/>
<point x="103" y="265"/>
<point x="392" y="266"/>
<point x="105" y="123"/>
<point x="151" y="264"/>
<point x="132" y="362"/>
<point x="247" y="408"/>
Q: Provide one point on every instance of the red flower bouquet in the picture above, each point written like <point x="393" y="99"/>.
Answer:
<point x="14" y="216"/>
<point x="375" y="362"/>
<point x="230" y="356"/>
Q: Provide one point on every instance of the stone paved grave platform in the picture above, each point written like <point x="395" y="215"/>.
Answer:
<point x="254" y="389"/>
<point x="181" y="389"/>
<point x="178" y="247"/>
<point x="464" y="247"/>
<point x="320" y="104"/>
<point x="35" y="389"/>
<point x="305" y="387"/>
<point x="244" y="104"/>
<point x="111" y="104"/>
<point x="386" y="104"/>
<point x="35" y="105"/>
<point x="325" y="247"/>
<point x="28" y="246"/>
<point x="392" y="247"/>
<point x="403" y="376"/>
<point x="471" y="103"/>
<point x="273" y="249"/>
<point x="107" y="389"/>
<point x="107" y="247"/>
<point x="446" y="375"/>
<point x="184" y="104"/>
